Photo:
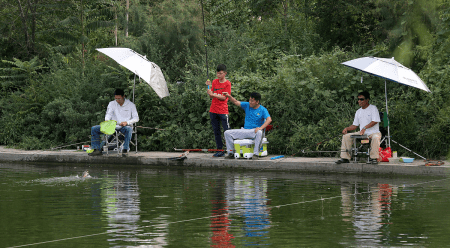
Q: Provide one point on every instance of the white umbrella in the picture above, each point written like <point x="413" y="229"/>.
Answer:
<point x="388" y="69"/>
<point x="138" y="64"/>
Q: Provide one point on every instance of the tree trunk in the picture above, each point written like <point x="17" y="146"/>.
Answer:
<point x="82" y="35"/>
<point x="126" y="15"/>
<point x="32" y="8"/>
<point x="24" y="19"/>
<point x="115" y="31"/>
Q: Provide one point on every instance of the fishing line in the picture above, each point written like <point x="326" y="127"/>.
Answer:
<point x="226" y="214"/>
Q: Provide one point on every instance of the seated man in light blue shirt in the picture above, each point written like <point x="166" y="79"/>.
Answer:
<point x="255" y="114"/>
<point x="124" y="112"/>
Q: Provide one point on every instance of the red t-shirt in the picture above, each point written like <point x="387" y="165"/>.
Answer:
<point x="219" y="106"/>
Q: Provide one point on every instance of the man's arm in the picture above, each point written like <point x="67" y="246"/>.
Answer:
<point x="109" y="112"/>
<point x="212" y="95"/>
<point x="232" y="99"/>
<point x="350" y="128"/>
<point x="371" y="124"/>
<point x="266" y="123"/>
<point x="134" y="116"/>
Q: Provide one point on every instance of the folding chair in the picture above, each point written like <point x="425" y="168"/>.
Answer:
<point x="115" y="141"/>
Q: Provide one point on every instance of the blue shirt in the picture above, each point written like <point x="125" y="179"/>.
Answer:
<point x="254" y="117"/>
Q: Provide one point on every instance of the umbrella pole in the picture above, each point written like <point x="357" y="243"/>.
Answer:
<point x="387" y="112"/>
<point x="134" y="126"/>
<point x="134" y="84"/>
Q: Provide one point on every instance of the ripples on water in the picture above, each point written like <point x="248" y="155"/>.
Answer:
<point x="164" y="207"/>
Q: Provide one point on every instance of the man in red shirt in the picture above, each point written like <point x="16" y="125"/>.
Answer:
<point x="218" y="112"/>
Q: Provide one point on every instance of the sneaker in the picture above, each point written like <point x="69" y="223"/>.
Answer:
<point x="342" y="161"/>
<point x="219" y="154"/>
<point x="372" y="161"/>
<point x="96" y="152"/>
<point x="229" y="156"/>
<point x="125" y="153"/>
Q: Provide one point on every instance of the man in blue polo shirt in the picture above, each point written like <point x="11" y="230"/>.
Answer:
<point x="255" y="114"/>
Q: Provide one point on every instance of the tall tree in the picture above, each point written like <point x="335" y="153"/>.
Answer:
<point x="79" y="29"/>
<point x="346" y="22"/>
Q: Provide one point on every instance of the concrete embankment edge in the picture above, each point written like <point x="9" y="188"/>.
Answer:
<point x="311" y="165"/>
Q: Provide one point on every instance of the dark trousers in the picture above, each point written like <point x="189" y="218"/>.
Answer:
<point x="216" y="119"/>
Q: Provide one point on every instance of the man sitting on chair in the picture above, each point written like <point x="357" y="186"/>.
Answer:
<point x="367" y="118"/>
<point x="254" y="123"/>
<point x="124" y="112"/>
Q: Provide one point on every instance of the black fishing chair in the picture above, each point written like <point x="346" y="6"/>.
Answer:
<point x="361" y="145"/>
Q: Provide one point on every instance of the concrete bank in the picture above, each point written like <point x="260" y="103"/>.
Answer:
<point x="197" y="159"/>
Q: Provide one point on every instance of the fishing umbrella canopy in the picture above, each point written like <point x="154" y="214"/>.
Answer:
<point x="138" y="64"/>
<point x="389" y="69"/>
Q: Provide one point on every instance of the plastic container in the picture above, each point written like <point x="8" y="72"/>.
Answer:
<point x="394" y="160"/>
<point x="407" y="160"/>
<point x="394" y="154"/>
<point x="244" y="146"/>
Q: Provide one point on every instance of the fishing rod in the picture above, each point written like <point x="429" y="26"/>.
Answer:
<point x="59" y="147"/>
<point x="303" y="151"/>
<point x="151" y="128"/>
<point x="204" y="39"/>
<point x="199" y="150"/>
<point x="408" y="149"/>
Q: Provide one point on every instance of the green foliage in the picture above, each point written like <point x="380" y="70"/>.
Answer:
<point x="288" y="50"/>
<point x="345" y="23"/>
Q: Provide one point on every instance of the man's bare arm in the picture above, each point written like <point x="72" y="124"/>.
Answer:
<point x="232" y="99"/>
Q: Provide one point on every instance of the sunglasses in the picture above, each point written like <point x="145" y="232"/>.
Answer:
<point x="361" y="99"/>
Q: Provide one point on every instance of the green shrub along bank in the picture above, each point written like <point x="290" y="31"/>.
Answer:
<point x="310" y="99"/>
<point x="55" y="86"/>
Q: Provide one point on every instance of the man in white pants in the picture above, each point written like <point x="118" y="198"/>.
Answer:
<point x="367" y="119"/>
<point x="255" y="114"/>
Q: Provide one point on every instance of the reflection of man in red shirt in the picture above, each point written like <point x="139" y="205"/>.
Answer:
<point x="218" y="112"/>
<point x="219" y="220"/>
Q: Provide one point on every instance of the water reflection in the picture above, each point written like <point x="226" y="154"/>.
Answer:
<point x="122" y="211"/>
<point x="369" y="210"/>
<point x="247" y="197"/>
<point x="220" y="223"/>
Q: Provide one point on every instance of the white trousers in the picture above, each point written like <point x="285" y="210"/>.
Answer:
<point x="233" y="134"/>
